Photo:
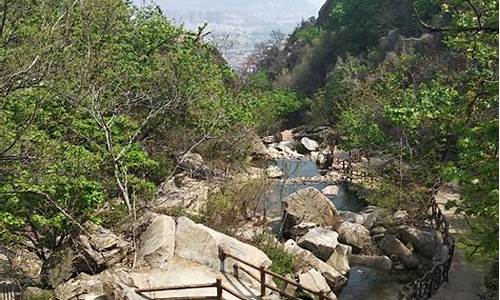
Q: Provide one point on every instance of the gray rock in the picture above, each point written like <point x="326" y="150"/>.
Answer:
<point x="270" y="139"/>
<point x="314" y="281"/>
<point x="157" y="242"/>
<point x="378" y="230"/>
<point x="331" y="190"/>
<point x="426" y="241"/>
<point x="99" y="248"/>
<point x="309" y="144"/>
<point x="393" y="247"/>
<point x="371" y="219"/>
<point x="352" y="217"/>
<point x="182" y="191"/>
<point x="400" y="217"/>
<point x="193" y="164"/>
<point x="274" y="172"/>
<point x="320" y="241"/>
<point x="377" y="262"/>
<point x="308" y="205"/>
<point x="201" y="244"/>
<point x="299" y="230"/>
<point x="354" y="234"/>
<point x="339" y="259"/>
<point x="334" y="279"/>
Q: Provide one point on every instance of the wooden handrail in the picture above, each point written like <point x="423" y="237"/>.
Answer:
<point x="217" y="284"/>
<point x="262" y="279"/>
<point x="176" y="287"/>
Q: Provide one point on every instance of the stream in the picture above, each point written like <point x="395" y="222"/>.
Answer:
<point x="364" y="283"/>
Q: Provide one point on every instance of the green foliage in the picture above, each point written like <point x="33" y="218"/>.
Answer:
<point x="91" y="94"/>
<point x="283" y="262"/>
<point x="434" y="110"/>
<point x="237" y="200"/>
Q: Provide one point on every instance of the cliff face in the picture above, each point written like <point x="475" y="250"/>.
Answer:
<point x="324" y="12"/>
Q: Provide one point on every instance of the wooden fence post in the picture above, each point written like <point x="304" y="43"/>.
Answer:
<point x="222" y="258"/>
<point x="218" y="285"/>
<point x="262" y="280"/>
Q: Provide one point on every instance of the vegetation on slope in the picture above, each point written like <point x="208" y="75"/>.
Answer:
<point x="96" y="97"/>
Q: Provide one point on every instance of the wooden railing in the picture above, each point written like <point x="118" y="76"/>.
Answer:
<point x="263" y="273"/>
<point x="9" y="290"/>
<point x="221" y="288"/>
<point x="426" y="286"/>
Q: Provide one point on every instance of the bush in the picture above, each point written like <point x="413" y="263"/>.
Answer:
<point x="283" y="262"/>
<point x="235" y="202"/>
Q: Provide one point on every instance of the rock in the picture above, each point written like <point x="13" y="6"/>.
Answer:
<point x="378" y="230"/>
<point x="308" y="205"/>
<point x="334" y="279"/>
<point x="270" y="139"/>
<point x="391" y="246"/>
<point x="324" y="159"/>
<point x="285" y="145"/>
<point x="320" y="241"/>
<point x="21" y="259"/>
<point x="426" y="241"/>
<point x="354" y="234"/>
<point x="287" y="135"/>
<point x="339" y="259"/>
<point x="274" y="172"/>
<point x="106" y="285"/>
<point x="201" y="244"/>
<point x="184" y="192"/>
<point x="372" y="218"/>
<point x="98" y="249"/>
<point x="193" y="164"/>
<point x="377" y="262"/>
<point x="310" y="145"/>
<point x="157" y="242"/>
<point x="299" y="230"/>
<point x="331" y="190"/>
<point x="314" y="281"/>
<point x="352" y="217"/>
<point x="400" y="217"/>
<point x="83" y="286"/>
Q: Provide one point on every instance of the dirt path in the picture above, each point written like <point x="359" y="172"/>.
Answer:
<point x="465" y="281"/>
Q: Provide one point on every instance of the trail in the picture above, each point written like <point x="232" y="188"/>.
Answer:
<point x="465" y="280"/>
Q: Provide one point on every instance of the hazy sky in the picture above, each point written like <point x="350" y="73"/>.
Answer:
<point x="245" y="22"/>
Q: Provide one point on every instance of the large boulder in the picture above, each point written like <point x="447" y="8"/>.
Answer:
<point x="354" y="234"/>
<point x="393" y="247"/>
<point x="320" y="241"/>
<point x="310" y="145"/>
<point x="314" y="281"/>
<point x="340" y="258"/>
<point x="99" y="248"/>
<point x="201" y="244"/>
<point x="334" y="279"/>
<point x="184" y="192"/>
<point x="308" y="205"/>
<point x="426" y="241"/>
<point x="157" y="242"/>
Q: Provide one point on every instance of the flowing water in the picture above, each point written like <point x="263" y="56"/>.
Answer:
<point x="364" y="283"/>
